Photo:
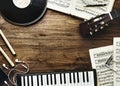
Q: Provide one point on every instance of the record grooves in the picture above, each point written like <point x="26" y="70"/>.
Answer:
<point x="27" y="15"/>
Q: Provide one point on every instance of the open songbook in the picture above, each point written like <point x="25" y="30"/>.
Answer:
<point x="80" y="8"/>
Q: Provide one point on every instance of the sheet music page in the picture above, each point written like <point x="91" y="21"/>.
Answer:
<point x="60" y="5"/>
<point x="116" y="44"/>
<point x="80" y="10"/>
<point x="77" y="7"/>
<point x="99" y="57"/>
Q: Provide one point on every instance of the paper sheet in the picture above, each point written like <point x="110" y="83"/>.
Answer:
<point x="116" y="59"/>
<point x="99" y="57"/>
<point x="77" y="7"/>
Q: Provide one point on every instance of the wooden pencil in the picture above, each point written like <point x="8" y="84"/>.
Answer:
<point x="6" y="57"/>
<point x="7" y="42"/>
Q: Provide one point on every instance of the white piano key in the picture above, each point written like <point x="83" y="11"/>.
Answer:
<point x="58" y="79"/>
<point x="53" y="80"/>
<point x="72" y="80"/>
<point x="44" y="80"/>
<point x="26" y="81"/>
<point x="81" y="79"/>
<point x="86" y="83"/>
<point x="63" y="82"/>
<point x="39" y="76"/>
<point x="67" y="79"/>
<point x="49" y="80"/>
<point x="91" y="76"/>
<point x="76" y="79"/>
<point x="34" y="80"/>
<point x="22" y="81"/>
<point x="84" y="78"/>
<point x="30" y="80"/>
<point x="88" y="80"/>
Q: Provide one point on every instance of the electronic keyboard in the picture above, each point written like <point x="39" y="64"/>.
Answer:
<point x="66" y="78"/>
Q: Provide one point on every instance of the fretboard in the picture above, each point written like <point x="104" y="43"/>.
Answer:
<point x="115" y="13"/>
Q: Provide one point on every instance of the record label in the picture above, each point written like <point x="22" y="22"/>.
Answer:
<point x="21" y="3"/>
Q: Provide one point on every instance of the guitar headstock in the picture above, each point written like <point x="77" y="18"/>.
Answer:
<point x="90" y="27"/>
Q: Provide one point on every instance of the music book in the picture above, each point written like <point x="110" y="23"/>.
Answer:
<point x="81" y="8"/>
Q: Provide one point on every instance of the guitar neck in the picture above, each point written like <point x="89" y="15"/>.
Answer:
<point x="115" y="13"/>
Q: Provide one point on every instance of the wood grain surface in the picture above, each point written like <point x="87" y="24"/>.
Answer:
<point x="54" y="43"/>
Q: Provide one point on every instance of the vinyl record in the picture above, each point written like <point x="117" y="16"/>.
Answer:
<point x="23" y="12"/>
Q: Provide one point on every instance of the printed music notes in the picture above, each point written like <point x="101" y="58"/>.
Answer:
<point x="99" y="57"/>
<point x="82" y="8"/>
<point x="106" y="61"/>
<point x="10" y="48"/>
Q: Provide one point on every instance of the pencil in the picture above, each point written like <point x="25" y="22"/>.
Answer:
<point x="96" y="5"/>
<point x="7" y="42"/>
<point x="6" y="57"/>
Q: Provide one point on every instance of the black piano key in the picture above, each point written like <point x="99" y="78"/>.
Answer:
<point x="74" y="77"/>
<point x="51" y="79"/>
<point x="60" y="78"/>
<point x="24" y="80"/>
<point x="78" y="77"/>
<point x="28" y="80"/>
<point x="87" y="76"/>
<point x="38" y="80"/>
<point x="47" y="79"/>
<point x="41" y="80"/>
<point x="31" y="80"/>
<point x="70" y="78"/>
<point x="64" y="78"/>
<point x="83" y="76"/>
<point x="55" y="78"/>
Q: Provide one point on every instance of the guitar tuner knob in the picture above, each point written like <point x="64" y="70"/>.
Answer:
<point x="96" y="30"/>
<point x="101" y="28"/>
<point x="91" y="33"/>
<point x="106" y="24"/>
<point x="102" y="23"/>
<point x="96" y="26"/>
<point x="91" y="29"/>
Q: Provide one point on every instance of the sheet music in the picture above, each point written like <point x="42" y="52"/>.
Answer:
<point x="80" y="10"/>
<point x="116" y="43"/>
<point x="99" y="57"/>
<point x="60" y="5"/>
<point x="77" y="7"/>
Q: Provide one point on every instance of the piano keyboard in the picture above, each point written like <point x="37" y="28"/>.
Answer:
<point x="69" y="78"/>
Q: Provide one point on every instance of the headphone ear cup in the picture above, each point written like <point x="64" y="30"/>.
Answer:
<point x="4" y="66"/>
<point x="17" y="61"/>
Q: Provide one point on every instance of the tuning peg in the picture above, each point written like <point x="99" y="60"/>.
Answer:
<point x="96" y="30"/>
<point x="101" y="28"/>
<point x="106" y="24"/>
<point x="91" y="33"/>
<point x="102" y="23"/>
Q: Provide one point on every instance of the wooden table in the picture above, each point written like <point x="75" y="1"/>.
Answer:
<point x="54" y="43"/>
